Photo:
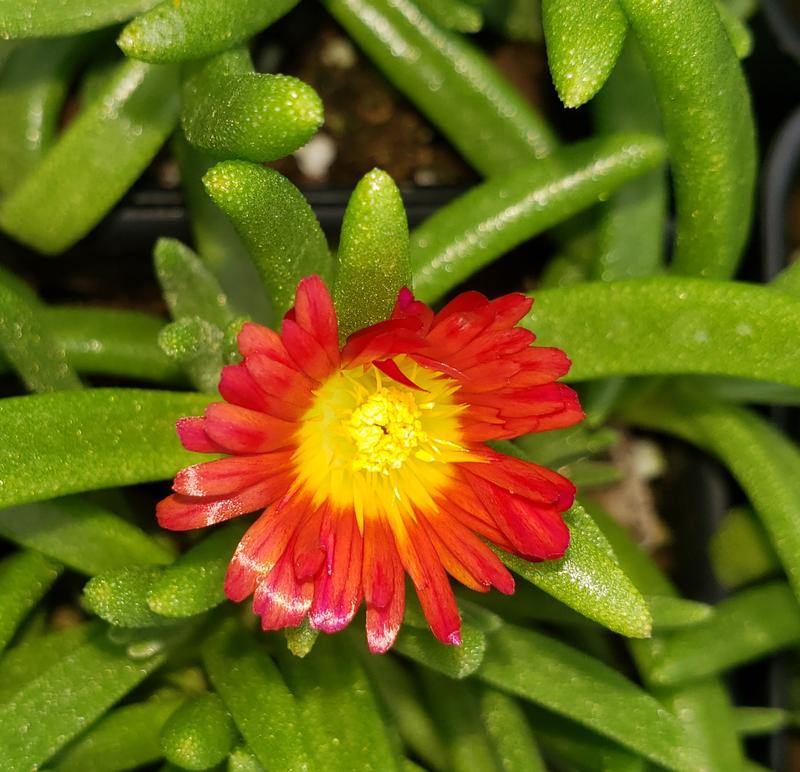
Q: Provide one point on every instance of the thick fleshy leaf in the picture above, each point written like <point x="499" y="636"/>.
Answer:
<point x="24" y="578"/>
<point x="215" y="239"/>
<point x="195" y="582"/>
<point x="120" y="597"/>
<point x="398" y="692"/>
<point x="580" y="747"/>
<point x="82" y="535"/>
<point x="419" y="58"/>
<point x="23" y="19"/>
<point x="456" y="710"/>
<point x="589" y="579"/>
<point x="670" y="613"/>
<point x="199" y="734"/>
<point x="373" y="264"/>
<point x="27" y="660"/>
<point x="457" y="15"/>
<point x="510" y="732"/>
<point x="708" y="122"/>
<point x="341" y="720"/>
<point x="740" y="551"/>
<point x="231" y="111"/>
<point x="584" y="39"/>
<point x="747" y="626"/>
<point x="128" y="122"/>
<point x="276" y="224"/>
<point x="124" y="738"/>
<point x="61" y="701"/>
<point x="704" y="708"/>
<point x="195" y="29"/>
<point x="33" y="86"/>
<point x="757" y="721"/>
<point x="597" y="697"/>
<point x="252" y="688"/>
<point x="488" y="220"/>
<point x="189" y="288"/>
<point x="454" y="661"/>
<point x="633" y="221"/>
<point x="87" y="440"/>
<point x="670" y="325"/>
<point x="110" y="341"/>
<point x="27" y="344"/>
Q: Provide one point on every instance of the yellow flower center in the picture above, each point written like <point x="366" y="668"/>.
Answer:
<point x="376" y="446"/>
<point x="386" y="429"/>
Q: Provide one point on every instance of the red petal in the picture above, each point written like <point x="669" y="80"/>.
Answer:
<point x="262" y="546"/>
<point x="537" y="532"/>
<point x="314" y="312"/>
<point x="256" y="339"/>
<point x="192" y="434"/>
<point x="466" y="557"/>
<point x="218" y="478"/>
<point x="522" y="478"/>
<point x="183" y="513"/>
<point x="337" y="593"/>
<point x="309" y="553"/>
<point x="509" y="309"/>
<point x="406" y="307"/>
<point x="433" y="589"/>
<point x="280" y="599"/>
<point x="281" y="379"/>
<point x="383" y="340"/>
<point x="238" y="387"/>
<point x="307" y="353"/>
<point x="240" y="430"/>
<point x="389" y="367"/>
<point x="384" y="586"/>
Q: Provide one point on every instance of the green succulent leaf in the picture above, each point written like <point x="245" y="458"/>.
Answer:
<point x="82" y="535"/>
<point x="195" y="29"/>
<point x="231" y="111"/>
<point x="584" y="39"/>
<point x="373" y="263"/>
<point x="276" y="224"/>
<point x="24" y="578"/>
<point x="77" y="441"/>
<point x="598" y="697"/>
<point x="489" y="219"/>
<point x="670" y="325"/>
<point x="66" y="698"/>
<point x="128" y="121"/>
<point x="252" y="687"/>
<point x="124" y="738"/>
<point x="43" y="19"/>
<point x="589" y="579"/>
<point x="199" y="734"/>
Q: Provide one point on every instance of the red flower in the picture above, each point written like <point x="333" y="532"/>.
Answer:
<point x="371" y="462"/>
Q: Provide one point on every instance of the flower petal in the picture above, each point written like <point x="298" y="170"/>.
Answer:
<point x="193" y="436"/>
<point x="306" y="351"/>
<point x="280" y="599"/>
<point x="240" y="430"/>
<point x="183" y="513"/>
<point x="337" y="592"/>
<point x="262" y="546"/>
<point x="238" y="387"/>
<point x="315" y="313"/>
<point x="384" y="585"/>
<point x="430" y="580"/>
<point x="465" y="557"/>
<point x="227" y="475"/>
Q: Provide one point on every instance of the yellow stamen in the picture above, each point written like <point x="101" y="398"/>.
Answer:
<point x="376" y="446"/>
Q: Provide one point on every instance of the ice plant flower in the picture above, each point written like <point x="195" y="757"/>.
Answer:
<point x="370" y="462"/>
